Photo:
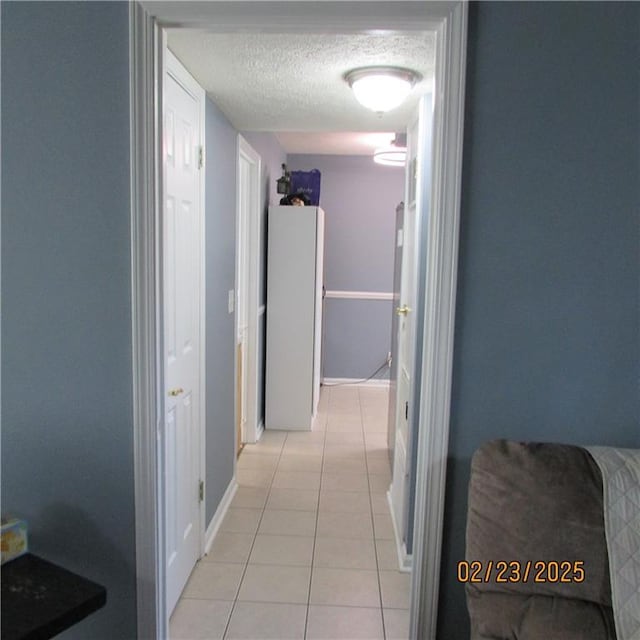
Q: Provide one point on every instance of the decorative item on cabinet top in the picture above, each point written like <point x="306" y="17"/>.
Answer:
<point x="307" y="183"/>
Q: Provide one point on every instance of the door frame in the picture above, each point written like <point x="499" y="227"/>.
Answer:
<point x="251" y="295"/>
<point x="449" y="22"/>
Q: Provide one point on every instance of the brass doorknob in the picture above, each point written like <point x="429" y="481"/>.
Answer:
<point x="402" y="311"/>
<point x="176" y="392"/>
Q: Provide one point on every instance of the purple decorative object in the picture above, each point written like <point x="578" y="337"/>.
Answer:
<point x="307" y="182"/>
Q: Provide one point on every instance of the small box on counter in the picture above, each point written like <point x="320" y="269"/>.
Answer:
<point x="13" y="538"/>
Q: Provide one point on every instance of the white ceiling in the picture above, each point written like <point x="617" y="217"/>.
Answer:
<point x="292" y="84"/>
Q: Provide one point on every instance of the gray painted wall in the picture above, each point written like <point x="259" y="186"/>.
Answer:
<point x="359" y="198"/>
<point x="357" y="337"/>
<point x="67" y="432"/>
<point x="220" y="208"/>
<point x="272" y="156"/>
<point x="547" y="328"/>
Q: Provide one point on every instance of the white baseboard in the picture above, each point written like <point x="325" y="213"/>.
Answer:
<point x="219" y="515"/>
<point x="405" y="560"/>
<point x="355" y="381"/>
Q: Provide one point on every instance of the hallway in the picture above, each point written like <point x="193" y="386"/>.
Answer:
<point x="306" y="550"/>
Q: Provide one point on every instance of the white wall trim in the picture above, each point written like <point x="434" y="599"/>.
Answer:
<point x="300" y="17"/>
<point x="144" y="50"/>
<point x="439" y="314"/>
<point x="218" y="516"/>
<point x="367" y="383"/>
<point x="360" y="295"/>
<point x="405" y="560"/>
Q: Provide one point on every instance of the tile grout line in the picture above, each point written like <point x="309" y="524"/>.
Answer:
<point x="353" y="405"/>
<point x="315" y="533"/>
<point x="373" y="522"/>
<point x="255" y="535"/>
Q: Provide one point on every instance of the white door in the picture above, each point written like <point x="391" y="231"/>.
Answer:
<point x="414" y="212"/>
<point x="393" y="371"/>
<point x="247" y="275"/>
<point x="182" y="279"/>
<point x="242" y="282"/>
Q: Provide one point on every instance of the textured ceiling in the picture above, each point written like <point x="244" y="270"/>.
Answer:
<point x="294" y="82"/>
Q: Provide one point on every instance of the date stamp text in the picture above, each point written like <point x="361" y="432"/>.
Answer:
<point x="514" y="571"/>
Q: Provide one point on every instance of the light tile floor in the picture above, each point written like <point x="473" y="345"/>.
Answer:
<point x="306" y="550"/>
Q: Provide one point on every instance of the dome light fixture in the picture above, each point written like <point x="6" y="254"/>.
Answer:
<point x="381" y="88"/>
<point x="390" y="156"/>
<point x="394" y="155"/>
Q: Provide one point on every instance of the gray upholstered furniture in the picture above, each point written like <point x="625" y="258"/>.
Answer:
<point x="537" y="503"/>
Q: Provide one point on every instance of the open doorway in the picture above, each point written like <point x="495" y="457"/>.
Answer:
<point x="443" y="273"/>
<point x="247" y="308"/>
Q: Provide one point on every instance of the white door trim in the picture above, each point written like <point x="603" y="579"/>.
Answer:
<point x="252" y="302"/>
<point x="449" y="21"/>
<point x="439" y="314"/>
<point x="145" y="48"/>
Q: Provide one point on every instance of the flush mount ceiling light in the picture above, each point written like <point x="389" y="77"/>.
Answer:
<point x="381" y="88"/>
<point x="394" y="155"/>
<point x="390" y="156"/>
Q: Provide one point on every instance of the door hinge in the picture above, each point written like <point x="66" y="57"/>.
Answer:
<point x="201" y="490"/>
<point x="406" y="410"/>
<point x="200" y="157"/>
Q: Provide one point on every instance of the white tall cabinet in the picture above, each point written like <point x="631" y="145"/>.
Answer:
<point x="294" y="316"/>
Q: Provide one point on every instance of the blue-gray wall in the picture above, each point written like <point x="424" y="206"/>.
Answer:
<point x="67" y="432"/>
<point x="273" y="157"/>
<point x="220" y="211"/>
<point x="356" y="338"/>
<point x="547" y="327"/>
<point x="359" y="198"/>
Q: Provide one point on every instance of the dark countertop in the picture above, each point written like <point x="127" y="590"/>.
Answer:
<point x="41" y="599"/>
